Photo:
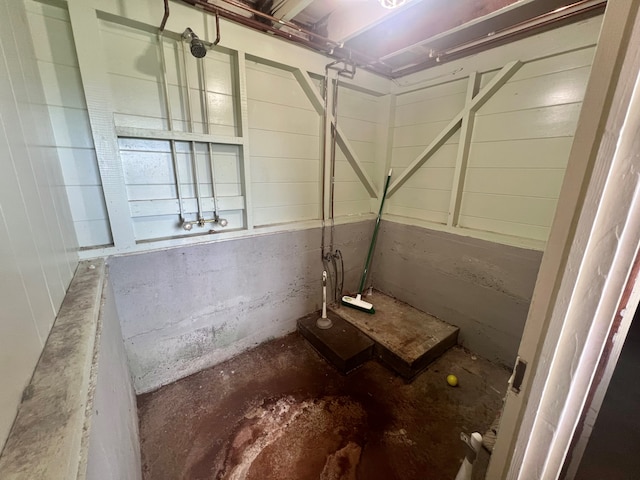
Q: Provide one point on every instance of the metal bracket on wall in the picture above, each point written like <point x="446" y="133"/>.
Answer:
<point x="519" y="369"/>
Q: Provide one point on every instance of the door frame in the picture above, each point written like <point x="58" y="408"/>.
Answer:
<point x="586" y="266"/>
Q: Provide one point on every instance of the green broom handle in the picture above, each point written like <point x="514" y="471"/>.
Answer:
<point x="367" y="264"/>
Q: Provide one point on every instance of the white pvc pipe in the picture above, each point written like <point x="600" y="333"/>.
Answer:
<point x="474" y="442"/>
<point x="323" y="322"/>
<point x="172" y="142"/>
<point x="192" y="143"/>
<point x="324" y="294"/>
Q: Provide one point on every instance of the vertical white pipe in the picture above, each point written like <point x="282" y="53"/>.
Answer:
<point x="324" y="294"/>
<point x="194" y="159"/>
<point x="172" y="142"/>
<point x="203" y="72"/>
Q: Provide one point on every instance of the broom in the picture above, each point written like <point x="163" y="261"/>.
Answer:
<point x="357" y="302"/>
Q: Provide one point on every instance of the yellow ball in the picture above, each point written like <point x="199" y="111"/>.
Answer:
<point x="452" y="380"/>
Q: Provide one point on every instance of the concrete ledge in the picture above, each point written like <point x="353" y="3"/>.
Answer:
<point x="49" y="436"/>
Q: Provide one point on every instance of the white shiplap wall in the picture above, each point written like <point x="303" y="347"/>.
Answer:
<point x="38" y="248"/>
<point x="284" y="131"/>
<point x="64" y="97"/>
<point x="520" y="143"/>
<point x="135" y="76"/>
<point x="420" y="115"/>
<point x="151" y="187"/>
<point x="134" y="70"/>
<point x="362" y="117"/>
<point x="263" y="129"/>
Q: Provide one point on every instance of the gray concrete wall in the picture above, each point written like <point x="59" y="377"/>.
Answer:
<point x="114" y="442"/>
<point x="482" y="287"/>
<point x="188" y="308"/>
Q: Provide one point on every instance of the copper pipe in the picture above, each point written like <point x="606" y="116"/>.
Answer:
<point x="525" y="29"/>
<point x="266" y="16"/>
<point x="217" y="29"/>
<point x="166" y="15"/>
<point x="229" y="15"/>
<point x="328" y="47"/>
<point x="377" y="65"/>
<point x="531" y="25"/>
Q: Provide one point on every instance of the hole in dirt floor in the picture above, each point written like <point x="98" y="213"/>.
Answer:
<point x="310" y="436"/>
<point x="281" y="412"/>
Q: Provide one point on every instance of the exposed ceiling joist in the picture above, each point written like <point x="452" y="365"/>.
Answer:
<point x="353" y="19"/>
<point x="289" y="9"/>
<point x="417" y="36"/>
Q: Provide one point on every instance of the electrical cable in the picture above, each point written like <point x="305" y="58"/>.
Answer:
<point x="335" y="270"/>
<point x="341" y="288"/>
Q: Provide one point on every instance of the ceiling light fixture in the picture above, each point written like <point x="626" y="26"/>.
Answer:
<point x="392" y="3"/>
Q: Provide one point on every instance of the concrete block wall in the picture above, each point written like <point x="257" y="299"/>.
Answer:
<point x="188" y="308"/>
<point x="482" y="287"/>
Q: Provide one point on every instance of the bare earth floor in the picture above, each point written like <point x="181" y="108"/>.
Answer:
<point x="281" y="412"/>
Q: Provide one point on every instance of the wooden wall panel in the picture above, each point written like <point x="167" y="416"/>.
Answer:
<point x="419" y="117"/>
<point x="521" y="144"/>
<point x="135" y="75"/>
<point x="134" y="70"/>
<point x="283" y="145"/>
<point x="524" y="153"/>
<point x="150" y="179"/>
<point x="567" y="87"/>
<point x="280" y="131"/>
<point x="530" y="120"/>
<point x="360" y="117"/>
<point x="289" y="93"/>
<point x="519" y="147"/>
<point x="435" y="109"/>
<point x="284" y="130"/>
<point x="443" y="89"/>
<point x="58" y="68"/>
<point x="38" y="248"/>
<point x="544" y="122"/>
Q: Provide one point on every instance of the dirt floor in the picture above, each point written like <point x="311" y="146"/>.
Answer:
<point x="281" y="412"/>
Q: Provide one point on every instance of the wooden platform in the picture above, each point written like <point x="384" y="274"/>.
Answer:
<point x="406" y="339"/>
<point x="400" y="336"/>
<point x="343" y="345"/>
